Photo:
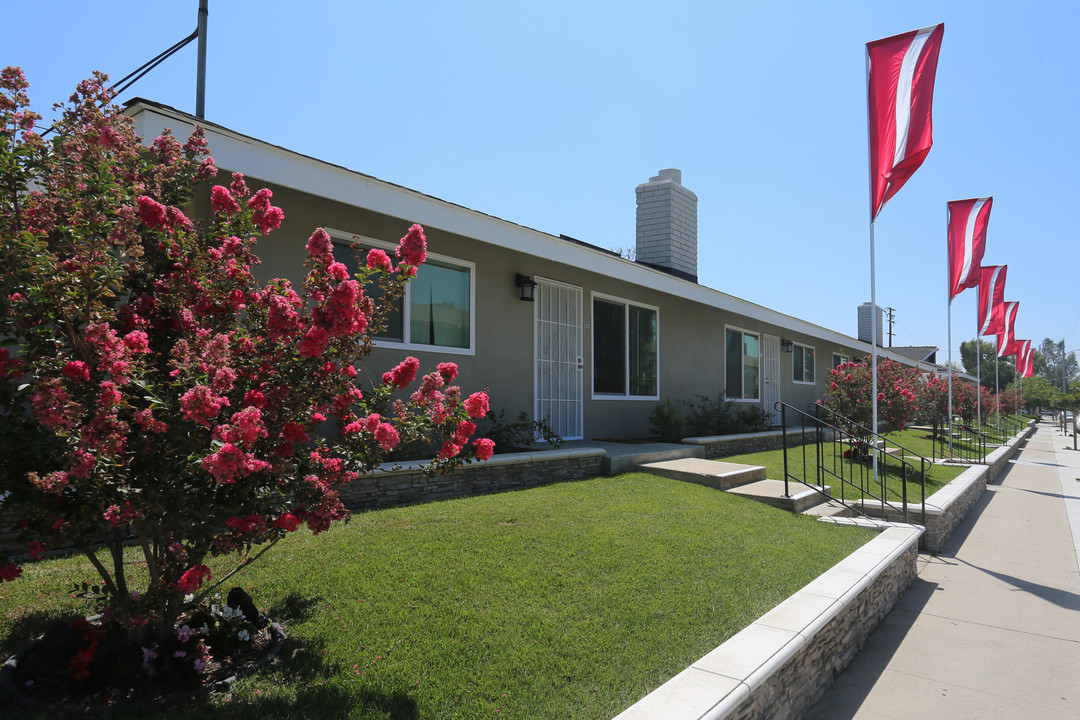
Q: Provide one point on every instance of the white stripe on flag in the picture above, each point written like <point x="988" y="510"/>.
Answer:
<point x="903" y="92"/>
<point x="990" y="300"/>
<point x="969" y="240"/>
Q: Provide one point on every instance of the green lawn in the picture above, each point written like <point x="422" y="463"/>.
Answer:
<point x="861" y="474"/>
<point x="568" y="601"/>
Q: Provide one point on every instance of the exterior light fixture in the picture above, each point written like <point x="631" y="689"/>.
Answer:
<point x="527" y="285"/>
<point x="788" y="345"/>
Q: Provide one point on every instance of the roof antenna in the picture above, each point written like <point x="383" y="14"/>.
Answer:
<point x="200" y="81"/>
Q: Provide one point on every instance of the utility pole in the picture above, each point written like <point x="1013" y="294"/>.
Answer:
<point x="200" y="77"/>
<point x="890" y="311"/>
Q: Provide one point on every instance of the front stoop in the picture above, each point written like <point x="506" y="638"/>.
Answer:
<point x="771" y="492"/>
<point x="711" y="473"/>
<point x="615" y="464"/>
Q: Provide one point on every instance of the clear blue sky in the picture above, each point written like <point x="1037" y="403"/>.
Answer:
<point x="549" y="114"/>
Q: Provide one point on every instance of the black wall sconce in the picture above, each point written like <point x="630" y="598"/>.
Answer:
<point x="527" y="285"/>
<point x="787" y="345"/>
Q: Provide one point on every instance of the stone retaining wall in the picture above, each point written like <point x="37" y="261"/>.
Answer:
<point x="405" y="484"/>
<point x="718" y="446"/>
<point x="946" y="508"/>
<point x="783" y="663"/>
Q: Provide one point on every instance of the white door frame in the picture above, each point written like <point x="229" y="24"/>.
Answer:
<point x="770" y="376"/>
<point x="558" y="357"/>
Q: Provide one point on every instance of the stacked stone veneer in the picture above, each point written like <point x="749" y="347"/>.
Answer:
<point x="718" y="446"/>
<point x="405" y="484"/>
<point x="667" y="223"/>
<point x="945" y="509"/>
<point x="783" y="663"/>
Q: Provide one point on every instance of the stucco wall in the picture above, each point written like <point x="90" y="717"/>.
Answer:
<point x="691" y="335"/>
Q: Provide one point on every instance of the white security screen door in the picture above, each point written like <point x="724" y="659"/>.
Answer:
<point x="770" y="371"/>
<point x="559" y="363"/>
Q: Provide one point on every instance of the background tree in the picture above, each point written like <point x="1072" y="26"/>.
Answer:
<point x="1040" y="394"/>
<point x="987" y="351"/>
<point x="1048" y="363"/>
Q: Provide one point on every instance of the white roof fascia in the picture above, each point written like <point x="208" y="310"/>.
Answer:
<point x="255" y="158"/>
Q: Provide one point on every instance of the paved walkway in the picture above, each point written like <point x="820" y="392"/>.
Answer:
<point x="991" y="627"/>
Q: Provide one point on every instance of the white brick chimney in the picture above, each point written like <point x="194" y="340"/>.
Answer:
<point x="667" y="224"/>
<point x="865" y="319"/>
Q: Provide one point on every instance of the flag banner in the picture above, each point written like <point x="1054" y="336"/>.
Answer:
<point x="1029" y="363"/>
<point x="1023" y="349"/>
<point x="1007" y="338"/>
<point x="900" y="92"/>
<point x="992" y="299"/>
<point x="967" y="242"/>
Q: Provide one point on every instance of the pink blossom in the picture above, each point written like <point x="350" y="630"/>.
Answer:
<point x="222" y="200"/>
<point x="230" y="463"/>
<point x="10" y="572"/>
<point x="387" y="436"/>
<point x="35" y="549"/>
<point x="239" y="186"/>
<point x="477" y="405"/>
<point x="319" y="245"/>
<point x="485" y="448"/>
<point x="136" y="341"/>
<point x="403" y="374"/>
<point x="294" y="432"/>
<point x="248" y="426"/>
<point x="379" y="260"/>
<point x="148" y="422"/>
<point x="449" y="449"/>
<point x="109" y="395"/>
<point x="77" y="370"/>
<point x="265" y="216"/>
<point x="255" y="398"/>
<point x="200" y="405"/>
<point x="314" y="342"/>
<point x="412" y="249"/>
<point x="246" y="524"/>
<point x="192" y="578"/>
<point x="152" y="213"/>
<point x="283" y="321"/>
<point x="287" y="522"/>
<point x="448" y="371"/>
<point x="337" y="271"/>
<point x="464" y="431"/>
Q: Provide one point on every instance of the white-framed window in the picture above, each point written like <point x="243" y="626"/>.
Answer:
<point x="803" y="364"/>
<point x="625" y="349"/>
<point x="742" y="364"/>
<point x="437" y="311"/>
<point x="838" y="358"/>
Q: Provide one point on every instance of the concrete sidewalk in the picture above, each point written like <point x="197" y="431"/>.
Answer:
<point x="991" y="627"/>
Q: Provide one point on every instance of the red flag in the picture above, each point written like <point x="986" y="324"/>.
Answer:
<point x="967" y="241"/>
<point x="1023" y="355"/>
<point x="992" y="299"/>
<point x="1007" y="338"/>
<point x="900" y="92"/>
<point x="1029" y="363"/>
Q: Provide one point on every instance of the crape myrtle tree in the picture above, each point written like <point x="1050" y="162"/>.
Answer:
<point x="850" y="387"/>
<point x="152" y="391"/>
<point x="980" y="357"/>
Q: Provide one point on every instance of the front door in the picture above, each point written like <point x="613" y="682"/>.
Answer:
<point x="559" y="361"/>
<point x="770" y="369"/>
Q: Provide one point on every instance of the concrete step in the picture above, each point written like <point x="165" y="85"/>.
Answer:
<point x="771" y="492"/>
<point x="830" y="508"/>
<point x="624" y="461"/>
<point x="711" y="473"/>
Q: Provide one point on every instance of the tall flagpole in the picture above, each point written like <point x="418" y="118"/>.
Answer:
<point x="873" y="350"/>
<point x="978" y="362"/>
<point x="949" y="293"/>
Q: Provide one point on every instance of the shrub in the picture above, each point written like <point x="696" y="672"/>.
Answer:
<point x="666" y="422"/>
<point x="520" y="433"/>
<point x="153" y="390"/>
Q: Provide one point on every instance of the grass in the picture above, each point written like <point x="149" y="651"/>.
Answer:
<point x="937" y="476"/>
<point x="567" y="601"/>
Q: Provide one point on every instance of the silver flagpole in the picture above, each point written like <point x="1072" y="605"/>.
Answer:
<point x="873" y="352"/>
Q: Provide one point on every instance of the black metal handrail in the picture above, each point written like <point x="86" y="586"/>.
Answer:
<point x="843" y="455"/>
<point x="966" y="444"/>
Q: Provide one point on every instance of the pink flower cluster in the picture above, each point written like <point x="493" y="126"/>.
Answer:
<point x="192" y="578"/>
<point x="402" y="375"/>
<point x="230" y="463"/>
<point x="265" y="216"/>
<point x="412" y="249"/>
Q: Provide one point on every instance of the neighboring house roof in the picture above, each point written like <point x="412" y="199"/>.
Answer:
<point x="235" y="151"/>
<point x="918" y="353"/>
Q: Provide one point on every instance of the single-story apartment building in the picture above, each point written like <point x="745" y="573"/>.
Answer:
<point x="552" y="326"/>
